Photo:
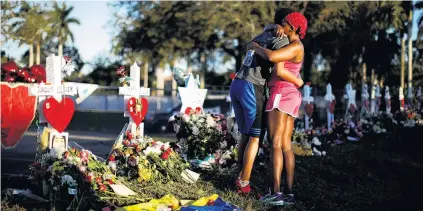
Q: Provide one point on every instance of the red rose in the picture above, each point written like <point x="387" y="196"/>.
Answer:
<point x="162" y="148"/>
<point x="88" y="178"/>
<point x="110" y="181"/>
<point x="126" y="142"/>
<point x="112" y="158"/>
<point x="165" y="155"/>
<point x="102" y="187"/>
<point x="66" y="155"/>
<point x="98" y="180"/>
<point x="129" y="135"/>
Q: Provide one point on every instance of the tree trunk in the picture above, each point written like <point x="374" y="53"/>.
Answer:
<point x="60" y="52"/>
<point x="204" y="69"/>
<point x="238" y="62"/>
<point x="38" y="60"/>
<point x="31" y="54"/>
<point x="410" y="54"/>
<point x="402" y="61"/>
<point x="146" y="73"/>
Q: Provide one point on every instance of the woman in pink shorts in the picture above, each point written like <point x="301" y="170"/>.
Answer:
<point x="283" y="105"/>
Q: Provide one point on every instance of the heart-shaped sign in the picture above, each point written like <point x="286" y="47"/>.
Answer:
<point x="137" y="110"/>
<point x="17" y="112"/>
<point x="309" y="109"/>
<point x="59" y="115"/>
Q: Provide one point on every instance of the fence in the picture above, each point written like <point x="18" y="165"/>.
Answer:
<point x="107" y="99"/>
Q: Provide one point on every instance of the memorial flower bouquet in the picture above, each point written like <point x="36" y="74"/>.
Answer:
<point x="201" y="135"/>
<point x="145" y="159"/>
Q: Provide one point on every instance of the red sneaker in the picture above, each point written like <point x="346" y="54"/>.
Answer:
<point x="244" y="190"/>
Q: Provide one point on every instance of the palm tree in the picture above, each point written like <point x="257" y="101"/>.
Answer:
<point x="62" y="23"/>
<point x="28" y="27"/>
<point x="419" y="43"/>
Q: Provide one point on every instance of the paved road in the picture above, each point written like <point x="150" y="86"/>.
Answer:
<point x="17" y="160"/>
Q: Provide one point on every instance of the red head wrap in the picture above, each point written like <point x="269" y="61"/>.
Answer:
<point x="299" y="22"/>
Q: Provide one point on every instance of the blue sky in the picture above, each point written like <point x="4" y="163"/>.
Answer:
<point x="93" y="37"/>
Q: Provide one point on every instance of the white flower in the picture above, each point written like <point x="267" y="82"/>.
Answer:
<point x="67" y="179"/>
<point x="176" y="127"/>
<point x="112" y="165"/>
<point x="316" y="141"/>
<point x="171" y="119"/>
<point x="152" y="150"/>
<point x="210" y="121"/>
<point x="194" y="118"/>
<point x="185" y="118"/>
<point x="195" y="130"/>
<point x="324" y="153"/>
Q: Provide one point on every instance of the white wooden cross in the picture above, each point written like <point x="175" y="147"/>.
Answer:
<point x="364" y="99"/>
<point x="134" y="90"/>
<point x="387" y="100"/>
<point x="329" y="97"/>
<point x="410" y="94"/>
<point x="54" y="87"/>
<point x="307" y="99"/>
<point x="378" y="96"/>
<point x="350" y="96"/>
<point x="191" y="95"/>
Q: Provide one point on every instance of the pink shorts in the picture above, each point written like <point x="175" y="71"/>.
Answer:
<point x="284" y="97"/>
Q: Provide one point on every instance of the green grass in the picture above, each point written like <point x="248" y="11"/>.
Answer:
<point x="352" y="177"/>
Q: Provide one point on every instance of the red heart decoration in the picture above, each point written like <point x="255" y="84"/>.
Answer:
<point x="10" y="66"/>
<point x="366" y="104"/>
<point x="59" y="115"/>
<point x="198" y="110"/>
<point x="332" y="106"/>
<point x="352" y="108"/>
<point x="17" y="112"/>
<point x="189" y="110"/>
<point x="309" y="109"/>
<point x="137" y="116"/>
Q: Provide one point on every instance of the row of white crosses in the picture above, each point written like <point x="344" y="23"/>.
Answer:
<point x="53" y="87"/>
<point x="133" y="90"/>
<point x="307" y="99"/>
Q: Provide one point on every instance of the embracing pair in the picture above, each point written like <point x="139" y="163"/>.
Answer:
<point x="276" y="63"/>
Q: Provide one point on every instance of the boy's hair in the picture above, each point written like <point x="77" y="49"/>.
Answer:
<point x="281" y="14"/>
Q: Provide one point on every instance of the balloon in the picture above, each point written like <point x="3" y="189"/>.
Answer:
<point x="10" y="66"/>
<point x="39" y="72"/>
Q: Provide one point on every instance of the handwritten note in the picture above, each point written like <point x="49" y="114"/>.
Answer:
<point x="134" y="91"/>
<point x="48" y="90"/>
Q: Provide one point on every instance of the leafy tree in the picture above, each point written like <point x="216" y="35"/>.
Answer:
<point x="62" y="21"/>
